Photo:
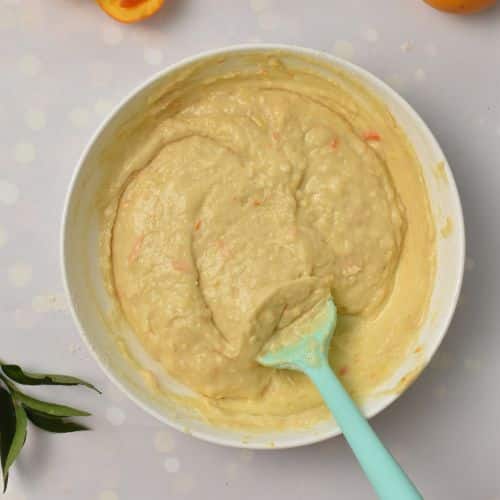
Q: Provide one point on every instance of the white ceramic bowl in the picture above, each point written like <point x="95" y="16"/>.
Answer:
<point x="89" y="300"/>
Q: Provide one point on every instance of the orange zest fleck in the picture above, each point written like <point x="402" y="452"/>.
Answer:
<point x="257" y="203"/>
<point x="136" y="249"/>
<point x="223" y="249"/>
<point x="276" y="136"/>
<point x="293" y="232"/>
<point x="334" y="143"/>
<point x="371" y="136"/>
<point x="181" y="265"/>
<point x="197" y="225"/>
<point x="343" y="370"/>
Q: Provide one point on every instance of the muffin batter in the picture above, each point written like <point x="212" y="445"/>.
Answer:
<point x="237" y="202"/>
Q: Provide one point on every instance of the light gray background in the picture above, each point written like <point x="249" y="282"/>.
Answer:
<point x="64" y="64"/>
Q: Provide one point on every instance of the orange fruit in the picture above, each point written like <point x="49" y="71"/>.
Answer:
<point x="130" y="11"/>
<point x="461" y="6"/>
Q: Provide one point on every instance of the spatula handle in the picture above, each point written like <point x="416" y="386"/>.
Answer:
<point x="385" y="474"/>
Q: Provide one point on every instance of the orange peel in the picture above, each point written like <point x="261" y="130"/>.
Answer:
<point x="130" y="11"/>
<point x="461" y="6"/>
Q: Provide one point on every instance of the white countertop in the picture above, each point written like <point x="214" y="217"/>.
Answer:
<point x="63" y="65"/>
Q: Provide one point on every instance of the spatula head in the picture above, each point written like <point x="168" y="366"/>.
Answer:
<point x="305" y="350"/>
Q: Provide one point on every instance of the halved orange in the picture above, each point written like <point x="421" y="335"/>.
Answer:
<point x="130" y="11"/>
<point x="461" y="6"/>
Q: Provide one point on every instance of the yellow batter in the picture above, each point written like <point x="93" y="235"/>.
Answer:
<point x="235" y="203"/>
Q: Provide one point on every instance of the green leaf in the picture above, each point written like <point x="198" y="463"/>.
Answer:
<point x="7" y="428"/>
<point x="17" y="374"/>
<point x="54" y="424"/>
<point x="13" y="426"/>
<point x="18" y="441"/>
<point x="49" y="409"/>
<point x="16" y="408"/>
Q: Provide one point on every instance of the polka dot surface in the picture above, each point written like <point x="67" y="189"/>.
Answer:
<point x="19" y="274"/>
<point x="24" y="153"/>
<point x="30" y="65"/>
<point x="254" y="39"/>
<point x="24" y="319"/>
<point x="246" y="456"/>
<point x="171" y="464"/>
<point x="260" y="5"/>
<point x="431" y="50"/>
<point x="108" y="495"/>
<point x="396" y="81"/>
<point x="163" y="442"/>
<point x="472" y="365"/>
<point x="153" y="56"/>
<point x="370" y="35"/>
<point x="112" y="34"/>
<point x="79" y="117"/>
<point x="439" y="392"/>
<point x="3" y="237"/>
<point x="115" y="416"/>
<point x="13" y="495"/>
<point x="35" y="119"/>
<point x="35" y="18"/>
<point x="442" y="360"/>
<point x="112" y="392"/>
<point x="420" y="75"/>
<point x="100" y="73"/>
<point x="268" y="20"/>
<point x="406" y="46"/>
<point x="51" y="302"/>
<point x="102" y="107"/>
<point x="232" y="471"/>
<point x="344" y="49"/>
<point x="9" y="193"/>
<point x="7" y="19"/>
<point x="470" y="264"/>
<point x="462" y="300"/>
<point x="183" y="484"/>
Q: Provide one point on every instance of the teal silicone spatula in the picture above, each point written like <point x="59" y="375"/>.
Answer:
<point x="308" y="353"/>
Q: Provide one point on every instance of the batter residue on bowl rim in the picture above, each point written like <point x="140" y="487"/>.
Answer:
<point x="248" y="189"/>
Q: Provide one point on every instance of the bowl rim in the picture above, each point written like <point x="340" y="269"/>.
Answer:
<point x="358" y="71"/>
